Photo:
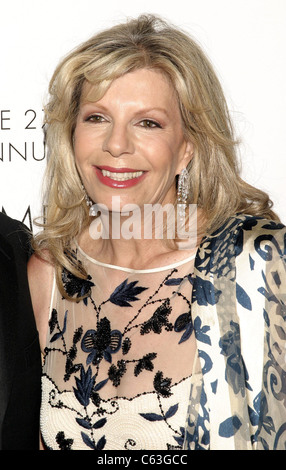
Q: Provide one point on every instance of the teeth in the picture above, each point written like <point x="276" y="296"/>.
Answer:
<point x="122" y="176"/>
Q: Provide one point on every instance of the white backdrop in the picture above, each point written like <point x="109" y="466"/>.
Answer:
<point x="245" y="39"/>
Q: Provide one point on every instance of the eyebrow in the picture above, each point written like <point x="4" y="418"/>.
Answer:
<point x="148" y="110"/>
<point x="140" y="111"/>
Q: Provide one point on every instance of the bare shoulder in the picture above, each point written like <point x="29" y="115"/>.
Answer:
<point x="40" y="276"/>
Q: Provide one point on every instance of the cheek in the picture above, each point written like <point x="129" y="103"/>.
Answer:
<point x="79" y="143"/>
<point x="82" y="150"/>
<point x="162" y="152"/>
<point x="82" y="137"/>
<point x="80" y="155"/>
<point x="168" y="160"/>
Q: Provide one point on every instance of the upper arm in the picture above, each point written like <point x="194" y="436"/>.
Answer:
<point x="40" y="276"/>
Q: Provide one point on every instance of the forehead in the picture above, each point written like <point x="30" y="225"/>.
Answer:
<point x="144" y="84"/>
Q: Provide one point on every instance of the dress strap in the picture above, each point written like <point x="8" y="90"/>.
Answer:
<point x="52" y="295"/>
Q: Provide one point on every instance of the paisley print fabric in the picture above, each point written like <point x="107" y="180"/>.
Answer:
<point x="238" y="392"/>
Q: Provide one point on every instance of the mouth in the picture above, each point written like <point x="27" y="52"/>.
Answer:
<point x="128" y="175"/>
<point x="119" y="177"/>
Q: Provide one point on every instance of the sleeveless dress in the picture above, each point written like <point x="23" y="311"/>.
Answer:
<point x="118" y="363"/>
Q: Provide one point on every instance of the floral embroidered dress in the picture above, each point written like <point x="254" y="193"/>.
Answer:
<point x="221" y="381"/>
<point x="115" y="376"/>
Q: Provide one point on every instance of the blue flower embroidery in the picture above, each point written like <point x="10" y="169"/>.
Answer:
<point x="184" y="322"/>
<point x="84" y="386"/>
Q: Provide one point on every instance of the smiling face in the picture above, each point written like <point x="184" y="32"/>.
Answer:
<point x="130" y="143"/>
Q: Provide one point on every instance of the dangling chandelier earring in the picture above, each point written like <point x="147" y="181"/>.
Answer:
<point x="88" y="201"/>
<point x="182" y="196"/>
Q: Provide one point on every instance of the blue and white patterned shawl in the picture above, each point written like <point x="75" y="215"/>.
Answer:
<point x="238" y="394"/>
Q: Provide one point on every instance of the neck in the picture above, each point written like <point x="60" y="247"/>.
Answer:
<point x="136" y="240"/>
<point x="134" y="253"/>
<point x="123" y="243"/>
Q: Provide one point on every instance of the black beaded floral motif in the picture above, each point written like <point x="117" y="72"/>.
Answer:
<point x="72" y="368"/>
<point x="145" y="363"/>
<point x="126" y="345"/>
<point x="162" y="385"/>
<point x="158" y="320"/>
<point x="74" y="285"/>
<point x="101" y="343"/>
<point x="64" y="444"/>
<point x="115" y="373"/>
<point x="53" y="320"/>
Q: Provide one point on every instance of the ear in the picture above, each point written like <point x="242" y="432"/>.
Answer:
<point x="187" y="156"/>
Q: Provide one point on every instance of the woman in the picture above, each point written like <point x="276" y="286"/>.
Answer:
<point x="158" y="342"/>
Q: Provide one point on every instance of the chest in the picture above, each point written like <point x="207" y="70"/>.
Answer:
<point x="133" y="332"/>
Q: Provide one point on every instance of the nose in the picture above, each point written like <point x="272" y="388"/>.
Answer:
<point x="118" y="141"/>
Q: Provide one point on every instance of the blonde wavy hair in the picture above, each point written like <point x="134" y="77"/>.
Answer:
<point x="145" y="42"/>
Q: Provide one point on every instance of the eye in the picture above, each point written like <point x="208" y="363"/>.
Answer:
<point x="96" y="118"/>
<point x="149" y="124"/>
